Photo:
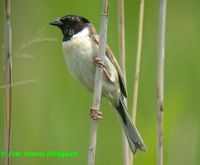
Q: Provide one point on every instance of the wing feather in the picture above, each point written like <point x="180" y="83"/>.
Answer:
<point x="111" y="57"/>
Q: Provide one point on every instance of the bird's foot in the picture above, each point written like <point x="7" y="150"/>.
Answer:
<point x="99" y="62"/>
<point x="95" y="114"/>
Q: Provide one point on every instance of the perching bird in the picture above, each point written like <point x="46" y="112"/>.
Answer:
<point x="80" y="45"/>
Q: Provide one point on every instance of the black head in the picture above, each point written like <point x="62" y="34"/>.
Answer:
<point x="70" y="25"/>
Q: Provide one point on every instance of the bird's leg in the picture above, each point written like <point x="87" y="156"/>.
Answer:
<point x="95" y="113"/>
<point x="99" y="62"/>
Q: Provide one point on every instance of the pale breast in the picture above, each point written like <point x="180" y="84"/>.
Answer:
<point x="79" y="55"/>
<point x="80" y="52"/>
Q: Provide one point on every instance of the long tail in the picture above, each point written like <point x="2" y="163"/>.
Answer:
<point x="133" y="136"/>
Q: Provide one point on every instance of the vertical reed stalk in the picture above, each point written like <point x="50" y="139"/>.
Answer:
<point x="98" y="81"/>
<point x="160" y="79"/>
<point x="137" y="66"/>
<point x="8" y="81"/>
<point x="121" y="26"/>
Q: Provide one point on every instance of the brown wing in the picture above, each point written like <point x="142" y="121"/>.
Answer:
<point x="111" y="57"/>
<point x="113" y="60"/>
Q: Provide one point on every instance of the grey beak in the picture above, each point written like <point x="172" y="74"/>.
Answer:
<point x="56" y="23"/>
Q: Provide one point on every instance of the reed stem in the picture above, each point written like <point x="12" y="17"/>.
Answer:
<point x="8" y="81"/>
<point x="160" y="79"/>
<point x="137" y="66"/>
<point x="98" y="81"/>
<point x="122" y="62"/>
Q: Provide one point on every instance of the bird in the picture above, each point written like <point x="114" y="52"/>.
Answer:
<point x="80" y="45"/>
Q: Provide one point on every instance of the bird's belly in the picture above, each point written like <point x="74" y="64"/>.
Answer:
<point x="79" y="55"/>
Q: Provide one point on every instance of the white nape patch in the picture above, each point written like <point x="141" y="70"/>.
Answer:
<point x="82" y="33"/>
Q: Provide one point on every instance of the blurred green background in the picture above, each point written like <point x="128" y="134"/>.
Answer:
<point x="50" y="109"/>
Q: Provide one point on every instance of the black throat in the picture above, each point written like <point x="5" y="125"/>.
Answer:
<point x="70" y="29"/>
<point x="67" y="33"/>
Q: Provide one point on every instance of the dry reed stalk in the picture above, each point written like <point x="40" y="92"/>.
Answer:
<point x="137" y="66"/>
<point x="8" y="81"/>
<point x="98" y="81"/>
<point x="160" y="79"/>
<point x="121" y="26"/>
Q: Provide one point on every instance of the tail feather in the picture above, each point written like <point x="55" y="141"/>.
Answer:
<point x="133" y="136"/>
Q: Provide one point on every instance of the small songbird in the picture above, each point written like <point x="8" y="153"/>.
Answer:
<point x="80" y="45"/>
